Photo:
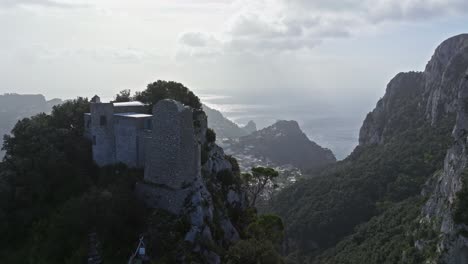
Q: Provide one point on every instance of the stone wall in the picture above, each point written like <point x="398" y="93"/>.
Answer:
<point x="172" y="159"/>
<point x="103" y="135"/>
<point x="144" y="139"/>
<point x="129" y="147"/>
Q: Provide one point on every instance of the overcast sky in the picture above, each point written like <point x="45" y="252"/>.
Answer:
<point x="338" y="54"/>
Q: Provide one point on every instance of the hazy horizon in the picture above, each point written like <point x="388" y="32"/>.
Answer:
<point x="315" y="59"/>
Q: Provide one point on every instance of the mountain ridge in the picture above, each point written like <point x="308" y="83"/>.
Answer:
<point x="407" y="154"/>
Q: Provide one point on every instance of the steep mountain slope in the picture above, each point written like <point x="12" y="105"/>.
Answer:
<point x="393" y="200"/>
<point x="224" y="127"/>
<point x="283" y="143"/>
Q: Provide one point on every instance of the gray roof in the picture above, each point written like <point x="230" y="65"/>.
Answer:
<point x="133" y="115"/>
<point x="123" y="104"/>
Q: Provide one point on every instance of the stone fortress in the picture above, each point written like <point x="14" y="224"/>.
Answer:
<point x="166" y="144"/>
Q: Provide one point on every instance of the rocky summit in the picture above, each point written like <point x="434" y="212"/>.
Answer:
<point x="401" y="196"/>
<point x="283" y="143"/>
<point x="224" y="127"/>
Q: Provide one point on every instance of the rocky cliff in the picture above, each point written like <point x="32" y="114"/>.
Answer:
<point x="283" y="143"/>
<point x="250" y="127"/>
<point x="441" y="92"/>
<point x="447" y="88"/>
<point x="224" y="127"/>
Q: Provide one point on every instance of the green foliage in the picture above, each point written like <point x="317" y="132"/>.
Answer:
<point x="48" y="160"/>
<point x="123" y="96"/>
<point x="253" y="251"/>
<point x="255" y="183"/>
<point x="160" y="90"/>
<point x="166" y="233"/>
<point x="112" y="212"/>
<point x="387" y="238"/>
<point x="267" y="227"/>
<point x="228" y="179"/>
<point x="264" y="236"/>
<point x="210" y="135"/>
<point x="52" y="196"/>
<point x="55" y="195"/>
<point x="460" y="212"/>
<point x="322" y="210"/>
<point x="234" y="164"/>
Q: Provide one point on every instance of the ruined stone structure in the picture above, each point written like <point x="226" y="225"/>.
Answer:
<point x="118" y="132"/>
<point x="166" y="144"/>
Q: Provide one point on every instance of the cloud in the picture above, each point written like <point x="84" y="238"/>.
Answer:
<point x="408" y="10"/>
<point x="41" y="3"/>
<point x="195" y="39"/>
<point x="261" y="26"/>
<point x="198" y="44"/>
<point x="44" y="53"/>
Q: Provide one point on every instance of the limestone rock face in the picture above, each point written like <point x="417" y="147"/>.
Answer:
<point x="441" y="91"/>
<point x="439" y="208"/>
<point x="401" y="88"/>
<point x="436" y="89"/>
<point x="441" y="76"/>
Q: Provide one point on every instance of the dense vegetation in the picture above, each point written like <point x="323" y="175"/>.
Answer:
<point x="55" y="195"/>
<point x="53" y="198"/>
<point x="374" y="181"/>
<point x="160" y="90"/>
<point x="388" y="238"/>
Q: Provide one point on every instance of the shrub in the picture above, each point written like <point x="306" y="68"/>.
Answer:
<point x="210" y="135"/>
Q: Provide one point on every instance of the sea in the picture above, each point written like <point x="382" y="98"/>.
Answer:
<point x="335" y="130"/>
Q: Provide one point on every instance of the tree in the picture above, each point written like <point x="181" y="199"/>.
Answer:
<point x="264" y="237"/>
<point x="210" y="135"/>
<point x="123" y="96"/>
<point x="257" y="181"/>
<point x="48" y="161"/>
<point x="161" y="90"/>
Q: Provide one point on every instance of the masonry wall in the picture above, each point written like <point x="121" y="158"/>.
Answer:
<point x="172" y="158"/>
<point x="144" y="140"/>
<point x="103" y="135"/>
<point x="125" y="132"/>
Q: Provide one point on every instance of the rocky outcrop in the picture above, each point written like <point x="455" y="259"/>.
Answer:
<point x="453" y="245"/>
<point x="436" y="94"/>
<point x="250" y="127"/>
<point x="442" y="77"/>
<point x="435" y="90"/>
<point x="283" y="143"/>
<point x="223" y="127"/>
<point x="401" y="89"/>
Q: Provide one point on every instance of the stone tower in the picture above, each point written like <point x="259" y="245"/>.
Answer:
<point x="172" y="157"/>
